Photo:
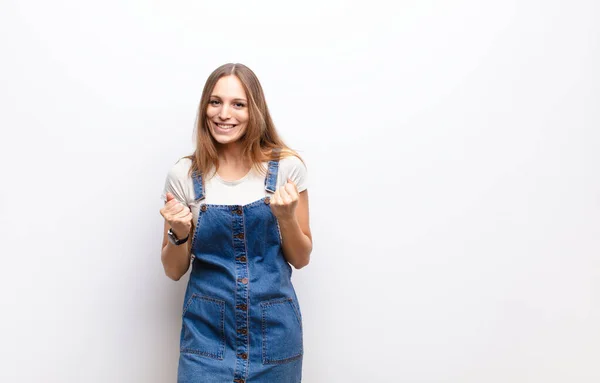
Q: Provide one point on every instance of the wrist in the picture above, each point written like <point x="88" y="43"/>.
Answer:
<point x="176" y="240"/>
<point x="287" y="220"/>
<point x="180" y="234"/>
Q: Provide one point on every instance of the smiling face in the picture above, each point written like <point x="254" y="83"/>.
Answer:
<point x="227" y="110"/>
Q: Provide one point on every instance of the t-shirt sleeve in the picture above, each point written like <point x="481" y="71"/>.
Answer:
<point x="295" y="170"/>
<point x="175" y="184"/>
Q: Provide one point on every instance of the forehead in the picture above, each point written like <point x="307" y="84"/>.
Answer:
<point x="229" y="87"/>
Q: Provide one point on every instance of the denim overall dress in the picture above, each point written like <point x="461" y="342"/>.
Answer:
<point x="241" y="320"/>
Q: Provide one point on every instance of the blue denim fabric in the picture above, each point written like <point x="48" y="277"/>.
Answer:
<point x="241" y="320"/>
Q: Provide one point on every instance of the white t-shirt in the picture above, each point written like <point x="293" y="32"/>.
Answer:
<point x="217" y="191"/>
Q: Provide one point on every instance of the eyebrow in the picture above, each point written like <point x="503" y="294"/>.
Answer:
<point x="235" y="99"/>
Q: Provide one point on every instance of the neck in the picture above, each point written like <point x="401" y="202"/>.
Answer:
<point x="231" y="155"/>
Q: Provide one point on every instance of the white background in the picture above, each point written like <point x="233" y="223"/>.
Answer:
<point x="453" y="154"/>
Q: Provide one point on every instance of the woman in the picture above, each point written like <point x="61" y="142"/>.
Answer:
<point x="237" y="211"/>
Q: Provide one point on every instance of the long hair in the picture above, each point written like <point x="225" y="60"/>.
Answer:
<point x="260" y="137"/>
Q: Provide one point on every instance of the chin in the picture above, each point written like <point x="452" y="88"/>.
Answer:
<point x="226" y="139"/>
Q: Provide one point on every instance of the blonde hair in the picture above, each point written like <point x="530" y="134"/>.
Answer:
<point x="260" y="137"/>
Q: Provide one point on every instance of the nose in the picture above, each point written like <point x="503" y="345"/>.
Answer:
<point x="224" y="112"/>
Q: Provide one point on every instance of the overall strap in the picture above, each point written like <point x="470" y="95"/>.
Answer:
<point x="198" y="186"/>
<point x="271" y="178"/>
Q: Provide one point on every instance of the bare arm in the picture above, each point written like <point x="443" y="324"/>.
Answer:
<point x="175" y="259"/>
<point x="296" y="235"/>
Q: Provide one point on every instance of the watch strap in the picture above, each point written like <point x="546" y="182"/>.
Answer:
<point x="174" y="240"/>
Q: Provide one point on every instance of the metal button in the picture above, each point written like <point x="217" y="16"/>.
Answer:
<point x="242" y="307"/>
<point x="203" y="207"/>
<point x="243" y="281"/>
<point x="242" y="331"/>
<point x="238" y="212"/>
<point x="267" y="200"/>
<point x="243" y="356"/>
<point x="240" y="236"/>
<point x="242" y="259"/>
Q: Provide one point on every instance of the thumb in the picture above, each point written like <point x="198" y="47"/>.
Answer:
<point x="293" y="184"/>
<point x="170" y="196"/>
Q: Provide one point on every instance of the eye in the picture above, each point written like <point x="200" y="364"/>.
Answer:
<point x="214" y="102"/>
<point x="239" y="105"/>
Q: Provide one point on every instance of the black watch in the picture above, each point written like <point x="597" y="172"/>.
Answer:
<point x="174" y="240"/>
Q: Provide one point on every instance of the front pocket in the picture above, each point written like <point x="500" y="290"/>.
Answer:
<point x="281" y="331"/>
<point x="203" y="327"/>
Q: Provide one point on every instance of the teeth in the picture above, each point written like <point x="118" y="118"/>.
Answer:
<point x="225" y="126"/>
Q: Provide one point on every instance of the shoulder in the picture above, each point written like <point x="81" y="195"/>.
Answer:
<point x="292" y="160"/>
<point x="180" y="169"/>
<point x="292" y="164"/>
<point x="178" y="181"/>
<point x="294" y="168"/>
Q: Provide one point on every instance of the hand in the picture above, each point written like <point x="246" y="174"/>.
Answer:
<point x="179" y="217"/>
<point x="284" y="201"/>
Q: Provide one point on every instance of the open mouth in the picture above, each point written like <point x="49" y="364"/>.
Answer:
<point x="225" y="126"/>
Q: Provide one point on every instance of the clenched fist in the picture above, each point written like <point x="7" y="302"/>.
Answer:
<point x="284" y="201"/>
<point x="179" y="217"/>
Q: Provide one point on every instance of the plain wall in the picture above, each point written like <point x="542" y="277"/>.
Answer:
<point x="453" y="156"/>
